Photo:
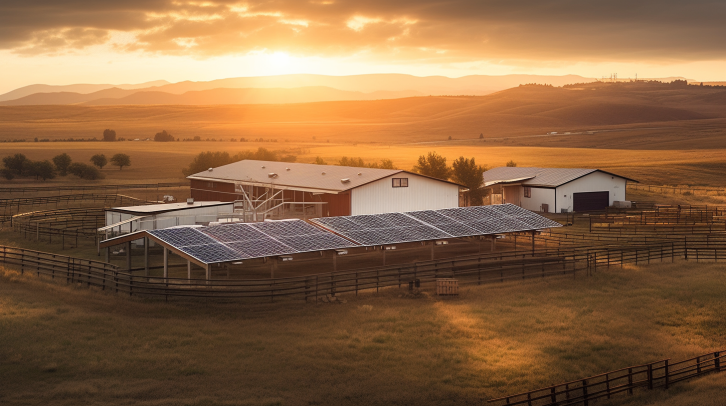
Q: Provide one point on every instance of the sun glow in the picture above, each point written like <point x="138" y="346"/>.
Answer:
<point x="280" y="60"/>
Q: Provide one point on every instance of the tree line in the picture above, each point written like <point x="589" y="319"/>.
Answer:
<point x="60" y="165"/>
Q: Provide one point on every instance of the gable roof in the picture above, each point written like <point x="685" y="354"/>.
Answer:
<point x="310" y="177"/>
<point x="547" y="177"/>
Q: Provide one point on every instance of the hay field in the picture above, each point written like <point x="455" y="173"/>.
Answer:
<point x="62" y="345"/>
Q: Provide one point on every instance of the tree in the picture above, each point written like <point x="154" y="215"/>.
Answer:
<point x="433" y="165"/>
<point x="163" y="136"/>
<point x="386" y="164"/>
<point x="109" y="135"/>
<point x="41" y="169"/>
<point x="206" y="160"/>
<point x="15" y="163"/>
<point x="121" y="160"/>
<point x="61" y="163"/>
<point x="84" y="171"/>
<point x="354" y="162"/>
<point x="99" y="160"/>
<point x="319" y="161"/>
<point x="481" y="135"/>
<point x="7" y="174"/>
<point x="468" y="173"/>
<point x="511" y="164"/>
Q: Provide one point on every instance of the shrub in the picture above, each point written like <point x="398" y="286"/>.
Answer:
<point x="109" y="135"/>
<point x="61" y="163"/>
<point x="84" y="171"/>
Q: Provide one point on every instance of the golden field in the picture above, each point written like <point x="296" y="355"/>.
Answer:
<point x="63" y="345"/>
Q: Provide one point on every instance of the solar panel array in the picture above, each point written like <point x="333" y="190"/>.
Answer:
<point x="391" y="228"/>
<point x="239" y="241"/>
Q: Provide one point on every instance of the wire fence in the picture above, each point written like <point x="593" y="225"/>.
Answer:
<point x="659" y="374"/>
<point x="26" y="205"/>
<point x="72" y="226"/>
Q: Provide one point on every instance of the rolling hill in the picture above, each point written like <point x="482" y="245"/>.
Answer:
<point x="520" y="111"/>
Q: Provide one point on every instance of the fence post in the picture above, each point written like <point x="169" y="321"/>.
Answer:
<point x="698" y="365"/>
<point x="553" y="395"/>
<point x="584" y="392"/>
<point x="650" y="376"/>
<point x="630" y="381"/>
<point x="717" y="361"/>
<point x="666" y="374"/>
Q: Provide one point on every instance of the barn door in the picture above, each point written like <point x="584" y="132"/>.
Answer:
<point x="591" y="201"/>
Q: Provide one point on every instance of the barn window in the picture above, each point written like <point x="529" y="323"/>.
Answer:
<point x="210" y="185"/>
<point x="527" y="191"/>
<point x="400" y="182"/>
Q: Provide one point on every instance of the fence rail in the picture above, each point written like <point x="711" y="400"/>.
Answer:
<point x="473" y="269"/>
<point x="679" y="190"/>
<point x="626" y="380"/>
<point x="71" y="188"/>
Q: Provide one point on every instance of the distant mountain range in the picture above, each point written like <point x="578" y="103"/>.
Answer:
<point x="299" y="88"/>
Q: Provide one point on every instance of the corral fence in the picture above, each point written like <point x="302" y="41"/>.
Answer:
<point x="13" y="207"/>
<point x="659" y="374"/>
<point x="473" y="269"/>
<point x="678" y="190"/>
<point x="73" y="225"/>
<point x="85" y="188"/>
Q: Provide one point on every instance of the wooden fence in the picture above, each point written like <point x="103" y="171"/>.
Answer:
<point x="473" y="269"/>
<point x="74" y="224"/>
<point x="84" y="188"/>
<point x="657" y="374"/>
<point x="13" y="207"/>
<point x="678" y="190"/>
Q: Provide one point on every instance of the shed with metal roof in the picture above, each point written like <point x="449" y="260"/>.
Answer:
<point x="557" y="190"/>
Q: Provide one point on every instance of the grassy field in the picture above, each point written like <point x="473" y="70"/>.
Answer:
<point x="62" y="345"/>
<point x="152" y="162"/>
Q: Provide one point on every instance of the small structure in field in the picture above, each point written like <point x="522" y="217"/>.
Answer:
<point x="557" y="190"/>
<point x="279" y="190"/>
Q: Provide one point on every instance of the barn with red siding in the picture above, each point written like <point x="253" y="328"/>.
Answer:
<point x="265" y="189"/>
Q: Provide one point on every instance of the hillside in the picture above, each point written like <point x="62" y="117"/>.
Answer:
<point x="527" y="110"/>
<point x="369" y="87"/>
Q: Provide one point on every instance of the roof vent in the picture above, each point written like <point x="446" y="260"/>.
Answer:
<point x="346" y="180"/>
<point x="323" y="173"/>
<point x="359" y="174"/>
<point x="287" y="169"/>
<point x="272" y="175"/>
<point x="210" y="169"/>
<point x="190" y="201"/>
<point x="263" y="166"/>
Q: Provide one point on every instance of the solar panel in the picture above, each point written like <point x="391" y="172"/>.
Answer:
<point x="327" y="241"/>
<point x="444" y="223"/>
<point x="286" y="228"/>
<point x="182" y="236"/>
<point x="211" y="253"/>
<point x="238" y="241"/>
<point x="261" y="248"/>
<point x="234" y="232"/>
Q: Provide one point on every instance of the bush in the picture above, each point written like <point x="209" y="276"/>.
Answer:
<point x="511" y="164"/>
<point x="7" y="174"/>
<point x="84" y="171"/>
<point x="206" y="160"/>
<point x="15" y="163"/>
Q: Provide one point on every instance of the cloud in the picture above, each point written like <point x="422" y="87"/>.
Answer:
<point x="404" y="30"/>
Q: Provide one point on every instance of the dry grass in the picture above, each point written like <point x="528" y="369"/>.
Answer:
<point x="152" y="162"/>
<point x="63" y="345"/>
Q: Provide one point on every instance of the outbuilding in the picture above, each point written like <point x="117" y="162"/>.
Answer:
<point x="557" y="190"/>
<point x="276" y="190"/>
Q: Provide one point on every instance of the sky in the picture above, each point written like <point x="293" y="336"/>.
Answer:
<point x="134" y="41"/>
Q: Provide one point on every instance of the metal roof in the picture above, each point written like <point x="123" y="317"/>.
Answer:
<point x="310" y="177"/>
<point x="165" y="207"/>
<point x="547" y="177"/>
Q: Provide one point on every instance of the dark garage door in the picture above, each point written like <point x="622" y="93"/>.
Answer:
<point x="591" y="201"/>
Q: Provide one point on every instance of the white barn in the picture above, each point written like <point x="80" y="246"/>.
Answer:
<point x="557" y="190"/>
<point x="297" y="190"/>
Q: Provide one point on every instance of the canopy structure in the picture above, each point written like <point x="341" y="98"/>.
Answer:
<point x="239" y="241"/>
